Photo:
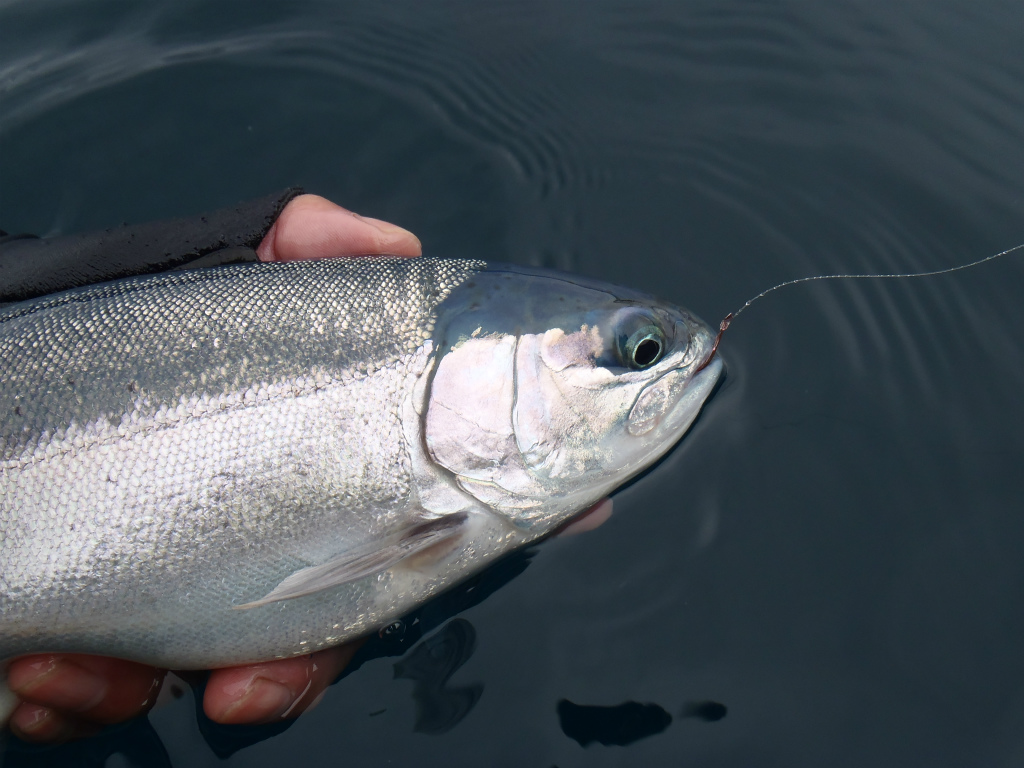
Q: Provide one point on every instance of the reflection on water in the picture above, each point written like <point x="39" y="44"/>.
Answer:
<point x="430" y="665"/>
<point x="835" y="549"/>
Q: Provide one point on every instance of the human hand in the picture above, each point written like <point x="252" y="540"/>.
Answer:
<point x="312" y="227"/>
<point x="63" y="696"/>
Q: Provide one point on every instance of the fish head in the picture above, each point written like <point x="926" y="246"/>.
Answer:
<point x="551" y="390"/>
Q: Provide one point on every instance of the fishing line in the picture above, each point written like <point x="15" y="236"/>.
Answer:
<point x="727" y="321"/>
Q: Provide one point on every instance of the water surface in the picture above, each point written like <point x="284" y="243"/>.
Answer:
<point x="836" y="551"/>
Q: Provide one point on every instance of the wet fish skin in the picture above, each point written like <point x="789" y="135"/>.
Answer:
<point x="222" y="466"/>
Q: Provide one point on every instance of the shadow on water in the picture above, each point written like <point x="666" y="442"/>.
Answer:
<point x="708" y="711"/>
<point x="618" y="726"/>
<point x="629" y="722"/>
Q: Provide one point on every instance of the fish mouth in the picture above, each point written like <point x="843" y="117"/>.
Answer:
<point x="722" y="328"/>
<point x="706" y="377"/>
<point x="671" y="402"/>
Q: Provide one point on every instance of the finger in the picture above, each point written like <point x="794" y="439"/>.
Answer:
<point x="588" y="520"/>
<point x="33" y="723"/>
<point x="269" y="692"/>
<point x="312" y="227"/>
<point x="91" y="688"/>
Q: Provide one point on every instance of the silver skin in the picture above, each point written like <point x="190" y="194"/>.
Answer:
<point x="217" y="467"/>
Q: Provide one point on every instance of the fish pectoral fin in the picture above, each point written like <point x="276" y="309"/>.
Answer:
<point x="365" y="561"/>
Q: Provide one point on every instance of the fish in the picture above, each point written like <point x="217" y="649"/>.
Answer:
<point x="219" y="466"/>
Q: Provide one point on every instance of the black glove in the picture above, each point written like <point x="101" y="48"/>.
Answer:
<point x="31" y="267"/>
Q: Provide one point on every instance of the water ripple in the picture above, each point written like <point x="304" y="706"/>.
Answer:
<point x="785" y="121"/>
<point x="499" y="102"/>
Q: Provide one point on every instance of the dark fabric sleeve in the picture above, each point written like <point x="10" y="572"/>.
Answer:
<point x="31" y="267"/>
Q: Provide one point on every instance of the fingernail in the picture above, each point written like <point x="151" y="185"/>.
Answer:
<point x="264" y="700"/>
<point x="34" y="723"/>
<point x="33" y="719"/>
<point x="393" y="231"/>
<point x="27" y="672"/>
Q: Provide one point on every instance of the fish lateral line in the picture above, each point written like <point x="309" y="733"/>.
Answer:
<point x="728" y="319"/>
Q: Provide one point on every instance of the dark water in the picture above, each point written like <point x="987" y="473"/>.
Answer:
<point x="830" y="569"/>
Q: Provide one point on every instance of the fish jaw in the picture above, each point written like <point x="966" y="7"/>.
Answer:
<point x="647" y="418"/>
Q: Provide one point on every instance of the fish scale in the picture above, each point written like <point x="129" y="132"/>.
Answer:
<point x="210" y="423"/>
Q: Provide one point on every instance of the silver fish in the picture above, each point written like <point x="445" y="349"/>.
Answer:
<point x="213" y="467"/>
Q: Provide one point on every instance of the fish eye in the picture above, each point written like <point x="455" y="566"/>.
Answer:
<point x="647" y="351"/>
<point x="643" y="346"/>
